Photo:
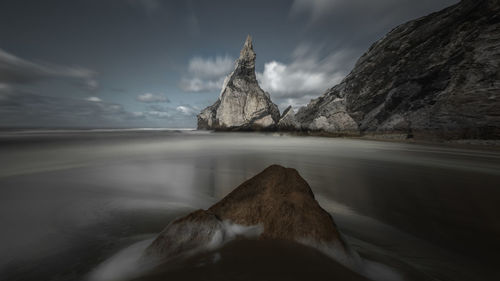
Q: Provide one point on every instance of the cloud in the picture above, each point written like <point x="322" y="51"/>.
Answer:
<point x="94" y="99"/>
<point x="370" y="15"/>
<point x="170" y="116"/>
<point x="188" y="110"/>
<point x="308" y="74"/>
<point x="211" y="67"/>
<point x="15" y="70"/>
<point x="196" y="85"/>
<point x="315" y="9"/>
<point x="26" y="109"/>
<point x="150" y="98"/>
<point x="172" y="112"/>
<point x="159" y="114"/>
<point x="206" y="74"/>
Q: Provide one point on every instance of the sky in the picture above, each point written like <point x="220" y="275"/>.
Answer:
<point x="154" y="63"/>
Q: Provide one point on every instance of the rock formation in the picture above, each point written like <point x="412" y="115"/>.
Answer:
<point x="276" y="204"/>
<point x="242" y="104"/>
<point x="287" y="121"/>
<point x="434" y="76"/>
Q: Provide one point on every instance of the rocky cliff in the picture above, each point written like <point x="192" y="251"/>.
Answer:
<point x="242" y="104"/>
<point x="434" y="76"/>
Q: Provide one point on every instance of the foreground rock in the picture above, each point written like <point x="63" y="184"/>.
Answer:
<point x="242" y="104"/>
<point x="435" y="76"/>
<point x="276" y="204"/>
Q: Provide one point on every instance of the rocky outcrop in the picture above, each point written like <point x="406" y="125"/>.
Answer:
<point x="287" y="121"/>
<point x="328" y="113"/>
<point x="276" y="204"/>
<point x="242" y="104"/>
<point x="434" y="76"/>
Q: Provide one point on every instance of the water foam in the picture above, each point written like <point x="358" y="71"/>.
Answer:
<point x="124" y="265"/>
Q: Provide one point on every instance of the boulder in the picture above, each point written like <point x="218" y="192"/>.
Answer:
<point x="242" y="104"/>
<point x="276" y="204"/>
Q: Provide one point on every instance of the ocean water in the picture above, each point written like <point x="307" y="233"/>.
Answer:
<point x="81" y="205"/>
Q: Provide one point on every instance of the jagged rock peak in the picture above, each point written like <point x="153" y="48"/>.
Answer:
<point x="242" y="104"/>
<point x="245" y="64"/>
<point x="247" y="53"/>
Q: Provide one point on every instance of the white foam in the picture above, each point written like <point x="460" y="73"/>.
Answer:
<point x="124" y="265"/>
<point x="229" y="231"/>
<point x="351" y="259"/>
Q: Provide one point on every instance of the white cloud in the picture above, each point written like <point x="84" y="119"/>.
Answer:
<point x="196" y="85"/>
<point x="306" y="75"/>
<point x="211" y="67"/>
<point x="179" y="112"/>
<point x="149" y="97"/>
<point x="94" y="99"/>
<point x="206" y="74"/>
<point x="187" y="110"/>
<point x="159" y="114"/>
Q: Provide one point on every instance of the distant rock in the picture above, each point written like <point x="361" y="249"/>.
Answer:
<point x="436" y="76"/>
<point x="242" y="104"/>
<point x="287" y="121"/>
<point x="276" y="204"/>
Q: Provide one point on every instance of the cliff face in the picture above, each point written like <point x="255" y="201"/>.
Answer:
<point x="242" y="104"/>
<point x="437" y="75"/>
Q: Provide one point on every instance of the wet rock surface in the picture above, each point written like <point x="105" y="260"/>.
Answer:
<point x="276" y="204"/>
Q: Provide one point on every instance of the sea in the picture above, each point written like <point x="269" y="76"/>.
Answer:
<point x="83" y="204"/>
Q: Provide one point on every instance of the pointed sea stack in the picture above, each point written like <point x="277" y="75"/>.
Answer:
<point x="242" y="104"/>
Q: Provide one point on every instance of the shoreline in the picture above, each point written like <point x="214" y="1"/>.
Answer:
<point x="475" y="144"/>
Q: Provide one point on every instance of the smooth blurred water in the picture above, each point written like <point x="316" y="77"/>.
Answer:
<point x="71" y="200"/>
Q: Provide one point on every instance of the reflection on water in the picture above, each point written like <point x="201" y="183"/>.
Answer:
<point x="70" y="201"/>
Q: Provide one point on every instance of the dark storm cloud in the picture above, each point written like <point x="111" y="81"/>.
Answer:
<point x="15" y="70"/>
